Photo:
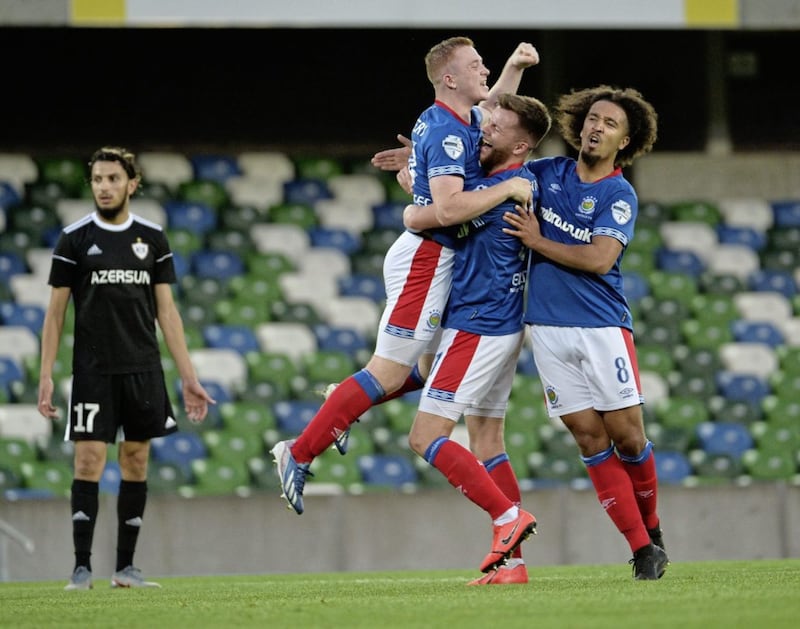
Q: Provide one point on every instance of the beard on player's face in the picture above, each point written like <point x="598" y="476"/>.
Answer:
<point x="110" y="213"/>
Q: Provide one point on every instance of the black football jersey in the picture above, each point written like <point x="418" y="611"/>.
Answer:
<point x="112" y="271"/>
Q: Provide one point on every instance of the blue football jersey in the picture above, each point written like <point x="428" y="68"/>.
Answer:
<point x="444" y="144"/>
<point x="489" y="270"/>
<point x="572" y="212"/>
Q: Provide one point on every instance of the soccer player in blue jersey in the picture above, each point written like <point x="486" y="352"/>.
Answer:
<point x="117" y="269"/>
<point x="579" y="320"/>
<point x="482" y="335"/>
<point x="418" y="266"/>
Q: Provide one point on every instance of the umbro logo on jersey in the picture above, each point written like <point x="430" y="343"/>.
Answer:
<point x="94" y="250"/>
<point x="554" y="187"/>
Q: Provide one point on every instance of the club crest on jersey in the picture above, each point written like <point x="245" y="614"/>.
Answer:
<point x="587" y="205"/>
<point x="140" y="249"/>
<point x="434" y="319"/>
<point x="621" y="211"/>
<point x="453" y="146"/>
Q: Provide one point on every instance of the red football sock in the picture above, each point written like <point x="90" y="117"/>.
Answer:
<point x="348" y="401"/>
<point x="503" y="475"/>
<point x="464" y="472"/>
<point x="615" y="492"/>
<point x="414" y="382"/>
<point x="645" y="486"/>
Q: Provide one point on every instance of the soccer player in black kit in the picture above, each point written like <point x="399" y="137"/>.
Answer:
<point x="117" y="268"/>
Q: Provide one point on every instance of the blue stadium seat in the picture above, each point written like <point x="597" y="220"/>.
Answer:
<point x="179" y="448"/>
<point x="10" y="374"/>
<point x="672" y="467"/>
<point x="340" y="239"/>
<point x="744" y="387"/>
<point x="728" y="438"/>
<point x="30" y="316"/>
<point x="786" y="213"/>
<point x="394" y="470"/>
<point x="333" y="338"/>
<point x="181" y="265"/>
<point x="745" y="331"/>
<point x="237" y="337"/>
<point x="215" y="167"/>
<point x="362" y="285"/>
<point x="525" y="362"/>
<point x="772" y="280"/>
<point x="389" y="215"/>
<point x="9" y="197"/>
<point x="748" y="236"/>
<point x="11" y="264"/>
<point x="636" y="286"/>
<point x="305" y="191"/>
<point x="679" y="261"/>
<point x="109" y="481"/>
<point x="221" y="265"/>
<point x="195" y="217"/>
<point x="292" y="416"/>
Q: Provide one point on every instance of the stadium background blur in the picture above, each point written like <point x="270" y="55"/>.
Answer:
<point x="339" y="82"/>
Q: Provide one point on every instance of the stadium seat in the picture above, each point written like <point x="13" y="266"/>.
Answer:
<point x="301" y="214"/>
<point x="221" y="265"/>
<point x="292" y="416"/>
<point x="30" y="316"/>
<point x="232" y="241"/>
<point x="696" y="236"/>
<point x="303" y="287"/>
<point x="777" y="435"/>
<point x="727" y="284"/>
<point x="30" y="289"/>
<point x="257" y="192"/>
<point x="247" y="418"/>
<point x="740" y="411"/>
<point x="681" y="412"/>
<point x="770" y="465"/>
<point x="555" y="468"/>
<point x="23" y="421"/>
<point x="267" y="266"/>
<point x="780" y="261"/>
<point x="150" y="210"/>
<point x="219" y="478"/>
<point x="295" y="312"/>
<point x="272" y="366"/>
<point x="665" y="333"/>
<point x="180" y="449"/>
<point x="9" y="479"/>
<point x="292" y="339"/>
<point x="706" y="335"/>
<point x="283" y="238"/>
<point x="341" y="471"/>
<point x="236" y="337"/>
<point x="655" y="386"/>
<point x="68" y="171"/>
<point x="33" y="221"/>
<point x="11" y="264"/>
<point x="326" y="366"/>
<point x="18" y="169"/>
<point x="715" y="468"/>
<point x="166" y="478"/>
<point x="676" y="286"/>
<point x="354" y="217"/>
<point x="18" y="342"/>
<point x="755" y="358"/>
<point x="243" y="310"/>
<point x="110" y="479"/>
<point x="232" y="447"/>
<point x="305" y="191"/>
<point x="225" y="364"/>
<point x="680" y="261"/>
<point x="340" y="339"/>
<point x="187" y="242"/>
<point x="737" y="260"/>
<point x="747" y="236"/>
<point x="763" y="306"/>
<point x="700" y="211"/>
<point x="387" y="470"/>
<point x="170" y="168"/>
<point x="192" y="216"/>
<point x="267" y="164"/>
<point x="636" y="286"/>
<point x="317" y="167"/>
<point x="640" y="262"/>
<point x="672" y="468"/>
<point x="780" y="281"/>
<point x="358" y="187"/>
<point x="389" y="216"/>
<point x="778" y="409"/>
<point x="724" y="438"/>
<point x="362" y="285"/>
<point x="335" y="238"/>
<point x="203" y="291"/>
<point x="52" y="477"/>
<point x="786" y="213"/>
<point x="743" y="387"/>
<point x="14" y="451"/>
<point x="750" y="213"/>
<point x="216" y="168"/>
<point x="359" y="313"/>
<point x="674" y="438"/>
<point x="763" y="332"/>
<point x="12" y="377"/>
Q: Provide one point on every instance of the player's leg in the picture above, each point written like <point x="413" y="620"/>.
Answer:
<point x="90" y="425"/>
